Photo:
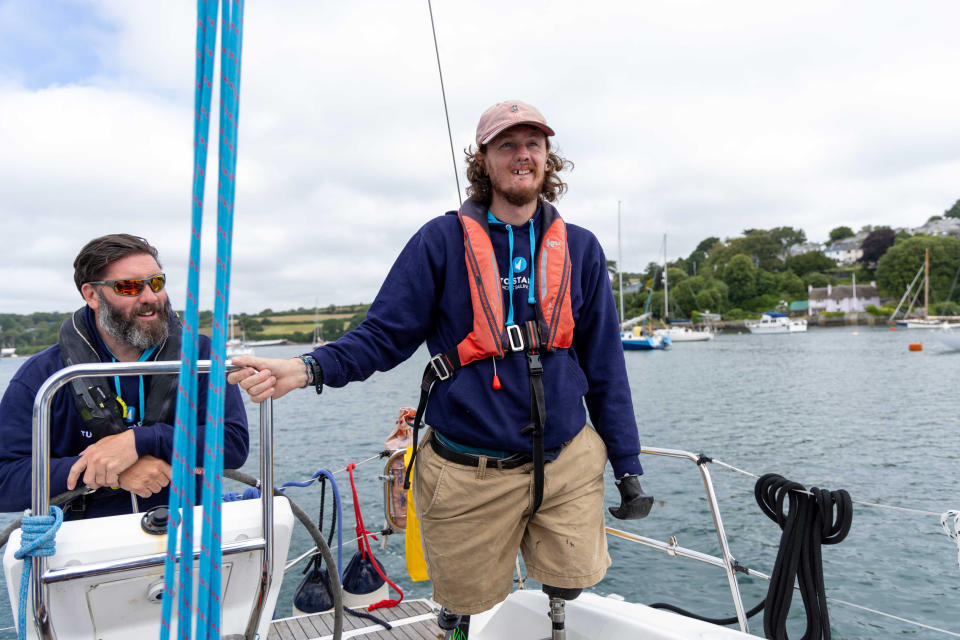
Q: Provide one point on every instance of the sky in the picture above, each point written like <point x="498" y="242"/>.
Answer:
<point x="701" y="118"/>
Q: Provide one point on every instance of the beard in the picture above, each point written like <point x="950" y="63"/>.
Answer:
<point x="142" y="335"/>
<point x="518" y="196"/>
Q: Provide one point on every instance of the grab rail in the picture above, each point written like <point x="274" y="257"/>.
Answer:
<point x="727" y="560"/>
<point x="40" y="498"/>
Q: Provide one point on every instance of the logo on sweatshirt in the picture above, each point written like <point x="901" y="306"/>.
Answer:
<point x="519" y="264"/>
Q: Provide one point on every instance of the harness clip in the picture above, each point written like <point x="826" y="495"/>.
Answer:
<point x="515" y="336"/>
<point x="440" y="366"/>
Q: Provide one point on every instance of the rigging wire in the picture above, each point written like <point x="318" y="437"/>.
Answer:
<point x="860" y="502"/>
<point x="446" y="112"/>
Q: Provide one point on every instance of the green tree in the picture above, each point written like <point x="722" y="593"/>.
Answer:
<point x="741" y="276"/>
<point x="788" y="236"/>
<point x="817" y="280"/>
<point x="954" y="211"/>
<point x="839" y="233"/>
<point x="766" y="282"/>
<point x="791" y="286"/>
<point x="809" y="262"/>
<point x="708" y="243"/>
<point x="897" y="268"/>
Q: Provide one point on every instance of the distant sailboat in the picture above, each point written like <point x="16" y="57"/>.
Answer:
<point x="920" y="323"/>
<point x="318" y="340"/>
<point x="681" y="333"/>
<point x="236" y="346"/>
<point x="639" y="338"/>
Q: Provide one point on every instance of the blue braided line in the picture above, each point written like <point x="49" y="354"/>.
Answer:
<point x="183" y="485"/>
<point x="37" y="539"/>
<point x="208" y="610"/>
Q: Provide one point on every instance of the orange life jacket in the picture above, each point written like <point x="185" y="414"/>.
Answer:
<point x="489" y="337"/>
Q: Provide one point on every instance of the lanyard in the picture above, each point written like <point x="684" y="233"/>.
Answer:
<point x="128" y="414"/>
<point x="491" y="219"/>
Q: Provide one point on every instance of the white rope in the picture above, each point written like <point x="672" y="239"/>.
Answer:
<point x="952" y="530"/>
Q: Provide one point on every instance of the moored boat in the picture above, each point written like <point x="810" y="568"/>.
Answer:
<point x="685" y="334"/>
<point x="774" y="322"/>
<point x="642" y="340"/>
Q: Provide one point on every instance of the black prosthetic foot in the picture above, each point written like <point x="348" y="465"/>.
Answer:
<point x="457" y="627"/>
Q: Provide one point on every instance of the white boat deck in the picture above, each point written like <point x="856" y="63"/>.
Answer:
<point x="413" y="620"/>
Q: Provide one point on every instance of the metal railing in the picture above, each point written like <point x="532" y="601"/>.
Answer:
<point x="726" y="561"/>
<point x="41" y="577"/>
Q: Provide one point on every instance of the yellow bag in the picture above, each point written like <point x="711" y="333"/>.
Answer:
<point x="416" y="564"/>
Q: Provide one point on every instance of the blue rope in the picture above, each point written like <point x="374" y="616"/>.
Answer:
<point x="183" y="486"/>
<point x="37" y="539"/>
<point x="208" y="606"/>
<point x="183" y="460"/>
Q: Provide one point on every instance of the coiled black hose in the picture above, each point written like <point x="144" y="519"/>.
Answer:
<point x="812" y="519"/>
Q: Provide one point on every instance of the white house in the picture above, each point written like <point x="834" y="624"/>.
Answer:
<point x="844" y="252"/>
<point x="802" y="248"/>
<point x="844" y="297"/>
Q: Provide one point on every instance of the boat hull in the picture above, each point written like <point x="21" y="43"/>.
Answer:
<point x="633" y="342"/>
<point x="776" y="323"/>
<point x="950" y="339"/>
<point x="684" y="335"/>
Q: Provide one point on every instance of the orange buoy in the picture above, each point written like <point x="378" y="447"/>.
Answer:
<point x="892" y="328"/>
<point x="916" y="346"/>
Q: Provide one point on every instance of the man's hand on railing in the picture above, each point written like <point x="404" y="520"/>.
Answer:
<point x="266" y="378"/>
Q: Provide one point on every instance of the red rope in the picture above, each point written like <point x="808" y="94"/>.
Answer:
<point x="364" y="545"/>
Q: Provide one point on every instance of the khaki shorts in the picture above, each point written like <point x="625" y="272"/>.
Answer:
<point x="474" y="519"/>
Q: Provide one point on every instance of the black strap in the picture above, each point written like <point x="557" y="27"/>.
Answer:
<point x="440" y="367"/>
<point x="538" y="409"/>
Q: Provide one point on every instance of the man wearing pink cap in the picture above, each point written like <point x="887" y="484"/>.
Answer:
<point x="518" y="314"/>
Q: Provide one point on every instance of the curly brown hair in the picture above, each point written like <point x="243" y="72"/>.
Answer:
<point x="481" y="189"/>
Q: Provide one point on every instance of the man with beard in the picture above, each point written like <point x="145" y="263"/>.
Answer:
<point x="518" y="309"/>
<point x="112" y="434"/>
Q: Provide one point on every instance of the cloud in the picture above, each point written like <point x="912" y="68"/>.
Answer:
<point x="703" y="119"/>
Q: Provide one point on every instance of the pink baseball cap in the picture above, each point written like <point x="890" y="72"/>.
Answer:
<point x="504" y="115"/>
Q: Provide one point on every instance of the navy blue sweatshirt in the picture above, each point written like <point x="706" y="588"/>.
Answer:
<point x="426" y="296"/>
<point x="67" y="437"/>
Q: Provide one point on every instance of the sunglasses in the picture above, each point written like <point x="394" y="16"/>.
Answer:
<point x="134" y="287"/>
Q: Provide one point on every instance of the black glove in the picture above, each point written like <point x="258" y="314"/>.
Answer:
<point x="634" y="503"/>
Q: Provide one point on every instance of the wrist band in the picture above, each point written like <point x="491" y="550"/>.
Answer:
<point x="314" y="372"/>
<point x="309" y="370"/>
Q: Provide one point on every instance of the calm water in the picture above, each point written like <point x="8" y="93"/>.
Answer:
<point x="827" y="408"/>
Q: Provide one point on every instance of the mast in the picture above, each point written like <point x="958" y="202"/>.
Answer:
<point x="666" y="288"/>
<point x="620" y="264"/>
<point x="926" y="283"/>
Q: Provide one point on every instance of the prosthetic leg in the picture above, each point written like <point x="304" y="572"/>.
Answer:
<point x="455" y="627"/>
<point x="558" y="598"/>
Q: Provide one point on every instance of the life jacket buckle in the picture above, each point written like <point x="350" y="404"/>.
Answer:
<point x="515" y="337"/>
<point x="440" y="366"/>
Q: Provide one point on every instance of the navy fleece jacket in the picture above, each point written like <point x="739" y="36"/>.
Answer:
<point x="67" y="437"/>
<point x="426" y="297"/>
